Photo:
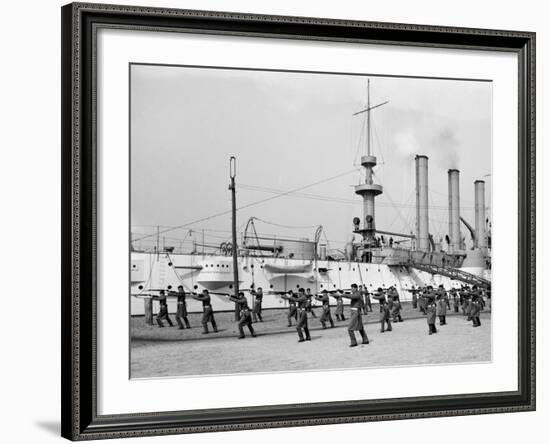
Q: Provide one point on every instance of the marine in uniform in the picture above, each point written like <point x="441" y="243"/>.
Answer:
<point x="292" y="311"/>
<point x="429" y="298"/>
<point x="326" y="315"/>
<point x="396" y="305"/>
<point x="441" y="304"/>
<point x="422" y="301"/>
<point x="245" y="318"/>
<point x="301" y="327"/>
<point x="207" y="311"/>
<point x="356" y="317"/>
<point x="309" y="304"/>
<point x="181" y="312"/>
<point x="257" y="308"/>
<point x="384" y="310"/>
<point x="367" y="304"/>
<point x="163" y="310"/>
<point x="465" y="295"/>
<point x="339" y="312"/>
<point x="476" y="306"/>
<point x="456" y="300"/>
<point x="414" y="298"/>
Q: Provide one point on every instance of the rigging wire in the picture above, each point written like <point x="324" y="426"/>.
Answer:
<point x="251" y="204"/>
<point x="394" y="205"/>
<point x="338" y="199"/>
<point x="285" y="226"/>
<point x="359" y="144"/>
<point x="380" y="150"/>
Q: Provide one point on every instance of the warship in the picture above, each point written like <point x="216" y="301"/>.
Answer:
<point x="373" y="257"/>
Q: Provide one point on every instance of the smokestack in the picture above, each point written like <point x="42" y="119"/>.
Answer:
<point x="422" y="229"/>
<point x="479" y="186"/>
<point x="454" y="210"/>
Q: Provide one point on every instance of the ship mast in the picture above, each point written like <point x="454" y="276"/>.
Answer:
<point x="369" y="190"/>
<point x="368" y="117"/>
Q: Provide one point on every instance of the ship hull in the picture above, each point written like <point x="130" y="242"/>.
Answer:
<point x="151" y="271"/>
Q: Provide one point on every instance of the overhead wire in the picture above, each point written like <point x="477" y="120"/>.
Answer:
<point x="251" y="204"/>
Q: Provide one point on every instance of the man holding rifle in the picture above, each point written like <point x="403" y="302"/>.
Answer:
<point x="301" y="300"/>
<point x="309" y="303"/>
<point x="181" y="313"/>
<point x="339" y="305"/>
<point x="367" y="305"/>
<point x="245" y="317"/>
<point x="431" y="309"/>
<point x="207" y="311"/>
<point x="396" y="304"/>
<point x="292" y="311"/>
<point x="414" y="302"/>
<point x="258" y="296"/>
<point x="384" y="310"/>
<point x="325" y="316"/>
<point x="356" y="318"/>
<point x="442" y="302"/>
<point x="163" y="310"/>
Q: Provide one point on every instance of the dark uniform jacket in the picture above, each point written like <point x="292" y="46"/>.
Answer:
<point x="384" y="306"/>
<point x="324" y="300"/>
<point x="205" y="299"/>
<point x="441" y="298"/>
<point x="339" y="304"/>
<point x="356" y="305"/>
<point x="291" y="298"/>
<point x="258" y="297"/>
<point x="181" y="304"/>
<point x="302" y="301"/>
<point x="431" y="309"/>
<point x="326" y="306"/>
<point x="163" y="308"/>
<point x="244" y="311"/>
<point x="475" y="306"/>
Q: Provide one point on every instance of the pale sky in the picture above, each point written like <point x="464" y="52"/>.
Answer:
<point x="289" y="130"/>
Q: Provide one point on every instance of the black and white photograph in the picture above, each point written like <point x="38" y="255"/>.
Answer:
<point x="285" y="221"/>
<point x="274" y="222"/>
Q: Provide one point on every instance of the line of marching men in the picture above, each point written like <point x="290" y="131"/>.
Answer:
<point x="435" y="303"/>
<point x="431" y="302"/>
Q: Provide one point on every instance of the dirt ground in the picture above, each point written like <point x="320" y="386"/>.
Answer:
<point x="172" y="352"/>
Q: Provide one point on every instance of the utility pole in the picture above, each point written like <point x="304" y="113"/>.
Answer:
<point x="158" y="234"/>
<point x="232" y="174"/>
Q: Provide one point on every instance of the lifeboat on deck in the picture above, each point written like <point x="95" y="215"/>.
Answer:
<point x="288" y="269"/>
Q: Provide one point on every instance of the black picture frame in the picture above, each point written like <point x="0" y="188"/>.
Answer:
<point x="79" y="169"/>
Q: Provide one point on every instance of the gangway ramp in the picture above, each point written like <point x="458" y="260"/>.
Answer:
<point x="453" y="273"/>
